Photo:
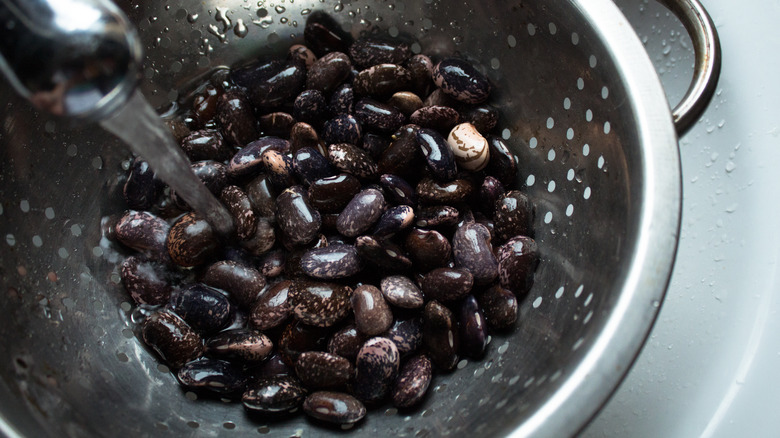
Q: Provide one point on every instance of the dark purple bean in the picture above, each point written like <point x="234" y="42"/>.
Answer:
<point x="273" y="307"/>
<point x="343" y="128"/>
<point x="310" y="165"/>
<point x="413" y="381"/>
<point x="406" y="102"/>
<point x="346" y="342"/>
<point x="514" y="215"/>
<point x="376" y="369"/>
<point x="473" y="252"/>
<point x="452" y="192"/>
<point x="145" y="233"/>
<point x="204" y="308"/>
<point x="303" y="53"/>
<point x="334" y="407"/>
<point x="274" y="366"/>
<point x="374" y="144"/>
<point x="361" y="213"/>
<point x="473" y="330"/>
<point x="262" y="196"/>
<point x="400" y="291"/>
<point x="378" y="116"/>
<point x="517" y="261"/>
<point x="262" y="240"/>
<point x="279" y="168"/>
<point x="248" y="162"/>
<point x="436" y="216"/>
<point x="403" y="157"/>
<point x="242" y="282"/>
<point x="394" y="220"/>
<point x="461" y="80"/>
<point x="204" y="106"/>
<point x="503" y="164"/>
<point x="272" y="84"/>
<point x="428" y="249"/>
<point x="239" y="206"/>
<point x="213" y="175"/>
<point x="370" y="51"/>
<point x="331" y="262"/>
<point x="191" y="241"/>
<point x="273" y="395"/>
<point x="438" y="117"/>
<point x="272" y="263"/>
<point x="398" y="189"/>
<point x="437" y="154"/>
<point x="297" y="219"/>
<point x="311" y="107"/>
<point x="324" y="34"/>
<point x="421" y="68"/>
<point x="447" y="284"/>
<point x="406" y="334"/>
<point x="146" y="281"/>
<point x="277" y="124"/>
<point x="352" y="160"/>
<point x="318" y="369"/>
<point x="178" y="129"/>
<point x="240" y="344"/>
<point x="304" y="135"/>
<point x="382" y="80"/>
<point x="206" y="144"/>
<point x="328" y="72"/>
<point x="489" y="192"/>
<point x="372" y="314"/>
<point x="332" y="194"/>
<point x="171" y="338"/>
<point x="142" y="188"/>
<point x="483" y="117"/>
<point x="213" y="375"/>
<point x="440" y="335"/>
<point x="319" y="304"/>
<point x="384" y="255"/>
<point x="236" y="118"/>
<point x="499" y="306"/>
<point x="298" y="338"/>
<point x="342" y="101"/>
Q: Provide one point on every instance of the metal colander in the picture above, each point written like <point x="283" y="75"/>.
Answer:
<point x="581" y="107"/>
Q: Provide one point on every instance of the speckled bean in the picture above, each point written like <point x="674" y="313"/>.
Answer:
<point x="318" y="369"/>
<point x="273" y="307"/>
<point x="447" y="284"/>
<point x="213" y="375"/>
<point x="440" y="335"/>
<point x="240" y="344"/>
<point x="296" y="217"/>
<point x="361" y="213"/>
<point x="331" y="262"/>
<point x="146" y="281"/>
<point x="204" y="308"/>
<point x="413" y="381"/>
<point x="400" y="291"/>
<point x="243" y="283"/>
<point x="376" y="369"/>
<point x="372" y="314"/>
<point x="191" y="241"/>
<point x="517" y="262"/>
<point x="171" y="338"/>
<point x="461" y="80"/>
<point x="472" y="251"/>
<point x="334" y="407"/>
<point x="274" y="395"/>
<point x="319" y="304"/>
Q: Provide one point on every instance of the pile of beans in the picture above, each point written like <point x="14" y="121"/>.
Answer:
<point x="378" y="235"/>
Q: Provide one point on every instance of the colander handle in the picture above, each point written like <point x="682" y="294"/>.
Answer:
<point x="706" y="72"/>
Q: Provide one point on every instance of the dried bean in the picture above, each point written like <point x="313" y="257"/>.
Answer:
<point x="334" y="407"/>
<point x="489" y="192"/>
<point x="279" y="168"/>
<point x="319" y="304"/>
<point x="350" y="159"/>
<point x="236" y="118"/>
<point x="400" y="191"/>
<point x="436" y="216"/>
<point x="437" y="153"/>
<point x="461" y="80"/>
<point x="248" y="162"/>
<point x="473" y="252"/>
<point x="406" y="334"/>
<point x="514" y="215"/>
<point x="469" y="147"/>
<point x="394" y="220"/>
<point x="447" y="284"/>
<point x="329" y="72"/>
<point x="428" y="249"/>
<point x="400" y="291"/>
<point x="262" y="196"/>
<point x="323" y="34"/>
<point x="272" y="263"/>
<point x="299" y="51"/>
<point x="304" y="135"/>
<point x="277" y="124"/>
<point x="421" y="68"/>
<point x="439" y="117"/>
<point x="343" y="128"/>
<point x="318" y="369"/>
<point x="406" y="102"/>
<point x="371" y="51"/>
<point x="311" y="107"/>
<point x="452" y="192"/>
<point x="503" y="164"/>
<point x="382" y="254"/>
<point x="413" y="381"/>
<point x="483" y="117"/>
<point x="403" y="157"/>
<point x="499" y="306"/>
<point x="378" y="116"/>
<point x="382" y="80"/>
<point x="298" y="338"/>
<point x="332" y="194"/>
<point x="310" y="165"/>
<point x="213" y="175"/>
<point x="204" y="104"/>
<point x="346" y="342"/>
<point x="517" y="261"/>
<point x="297" y="219"/>
<point x="262" y="240"/>
<point x="342" y="101"/>
<point x="376" y="369"/>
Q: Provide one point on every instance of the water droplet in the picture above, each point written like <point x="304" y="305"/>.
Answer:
<point x="280" y="9"/>
<point x="223" y="18"/>
<point x="730" y="166"/>
<point x="264" y="23"/>
<point x="192" y="18"/>
<point x="240" y="29"/>
<point x="306" y="11"/>
<point x="339" y="7"/>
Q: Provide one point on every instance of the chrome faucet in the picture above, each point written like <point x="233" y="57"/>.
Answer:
<point x="77" y="58"/>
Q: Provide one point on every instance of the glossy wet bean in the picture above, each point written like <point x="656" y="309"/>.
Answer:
<point x="472" y="251"/>
<point x="298" y="338"/>
<point x="400" y="291"/>
<point x="276" y="124"/>
<point x="394" y="220"/>
<point x="318" y="369"/>
<point x="142" y="188"/>
<point x="319" y="304"/>
<point x="499" y="306"/>
<point x="213" y="375"/>
<point x="329" y="72"/>
<point x="382" y="254"/>
<point x="239" y="206"/>
<point x="145" y="233"/>
<point x="440" y="335"/>
<point x="296" y="217"/>
<point x="304" y="135"/>
<point x="248" y="162"/>
<point x="434" y="216"/>
<point x="206" y="144"/>
<point x="428" y="249"/>
<point x="473" y="329"/>
<point x="343" y="128"/>
<point x="273" y="307"/>
<point x="437" y="153"/>
<point x="452" y="192"/>
<point x="310" y="165"/>
<point x="378" y="116"/>
<point x="240" y="344"/>
<point x="350" y="159"/>
<point x="171" y="338"/>
<point x="262" y="195"/>
<point x="460" y="80"/>
<point x="273" y="395"/>
<point x="517" y="262"/>
<point x="243" y="283"/>
<point x="236" y="118"/>
<point x="438" y="117"/>
<point x="191" y="241"/>
<point x="372" y="314"/>
<point x="447" y="284"/>
<point x="503" y="164"/>
<point x="332" y="194"/>
<point x="382" y="80"/>
<point x="311" y="107"/>
<point x="361" y="213"/>
<point x="146" y="281"/>
<point x="331" y="262"/>
<point x="469" y="147"/>
<point x="370" y="51"/>
<point x="514" y="215"/>
<point x="204" y="308"/>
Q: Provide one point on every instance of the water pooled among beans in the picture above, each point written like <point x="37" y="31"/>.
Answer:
<point x="140" y="127"/>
